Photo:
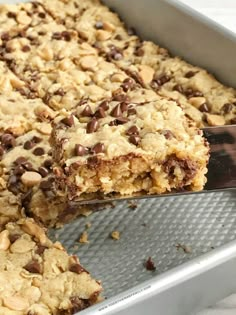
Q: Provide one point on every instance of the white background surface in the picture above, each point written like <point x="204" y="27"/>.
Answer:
<point x="223" y="12"/>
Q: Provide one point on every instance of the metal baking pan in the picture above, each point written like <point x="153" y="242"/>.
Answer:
<point x="184" y="282"/>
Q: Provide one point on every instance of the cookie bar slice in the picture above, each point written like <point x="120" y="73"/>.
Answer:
<point x="37" y="276"/>
<point x="138" y="144"/>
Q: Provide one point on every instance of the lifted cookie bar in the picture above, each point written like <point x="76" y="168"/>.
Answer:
<point x="147" y="145"/>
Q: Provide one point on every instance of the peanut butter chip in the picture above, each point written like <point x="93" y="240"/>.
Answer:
<point x="215" y="120"/>
<point x="44" y="128"/>
<point x="88" y="62"/>
<point x="31" y="179"/>
<point x="33" y="229"/>
<point x="146" y="73"/>
<point x="23" y="18"/>
<point x="108" y="26"/>
<point x="4" y="240"/>
<point x="197" y="101"/>
<point x="103" y="35"/>
<point x="16" y="303"/>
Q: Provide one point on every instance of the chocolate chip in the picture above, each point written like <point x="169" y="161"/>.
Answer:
<point x="233" y="121"/>
<point x="121" y="121"/>
<point x="100" y="113"/>
<point x="39" y="151"/>
<point x="98" y="148"/>
<point x="121" y="98"/>
<point x="112" y="123"/>
<point x="8" y="141"/>
<point x="42" y="15"/>
<point x="116" y="111"/>
<point x="227" y="108"/>
<point x="131" y="111"/>
<point x="178" y="88"/>
<point x="33" y="267"/>
<point x="76" y="268"/>
<point x="92" y="126"/>
<point x="123" y="107"/>
<point x="204" y="108"/>
<point x="190" y="74"/>
<point x="134" y="139"/>
<point x="66" y="36"/>
<point x="26" y="48"/>
<point x="40" y="249"/>
<point x="104" y="105"/>
<point x="19" y="170"/>
<point x="191" y="93"/>
<point x="149" y="264"/>
<point x="80" y="150"/>
<point x="60" y="92"/>
<point x="92" y="161"/>
<point x="83" y="101"/>
<point x="5" y="36"/>
<point x="43" y="171"/>
<point x="115" y="53"/>
<point x="127" y="84"/>
<point x="57" y="36"/>
<point x="28" y="145"/>
<point x="87" y="112"/>
<point x="14" y="237"/>
<point x="48" y="164"/>
<point x="68" y="121"/>
<point x="167" y="134"/>
<point x="118" y="37"/>
<point x="36" y="139"/>
<point x="28" y="166"/>
<point x="11" y="15"/>
<point x="99" y="25"/>
<point x="1" y="150"/>
<point x="20" y="160"/>
<point x="161" y="80"/>
<point x="132" y="131"/>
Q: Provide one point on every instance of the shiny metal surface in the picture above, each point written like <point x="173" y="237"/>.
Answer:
<point x="221" y="170"/>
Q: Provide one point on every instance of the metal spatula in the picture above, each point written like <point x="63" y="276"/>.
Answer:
<point x="221" y="169"/>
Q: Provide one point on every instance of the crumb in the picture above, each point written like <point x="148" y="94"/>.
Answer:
<point x="84" y="238"/>
<point x="88" y="225"/>
<point x="144" y="224"/>
<point x="149" y="264"/>
<point x="187" y="249"/>
<point x="212" y="247"/>
<point x="75" y="247"/>
<point x="115" y="235"/>
<point x="132" y="205"/>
